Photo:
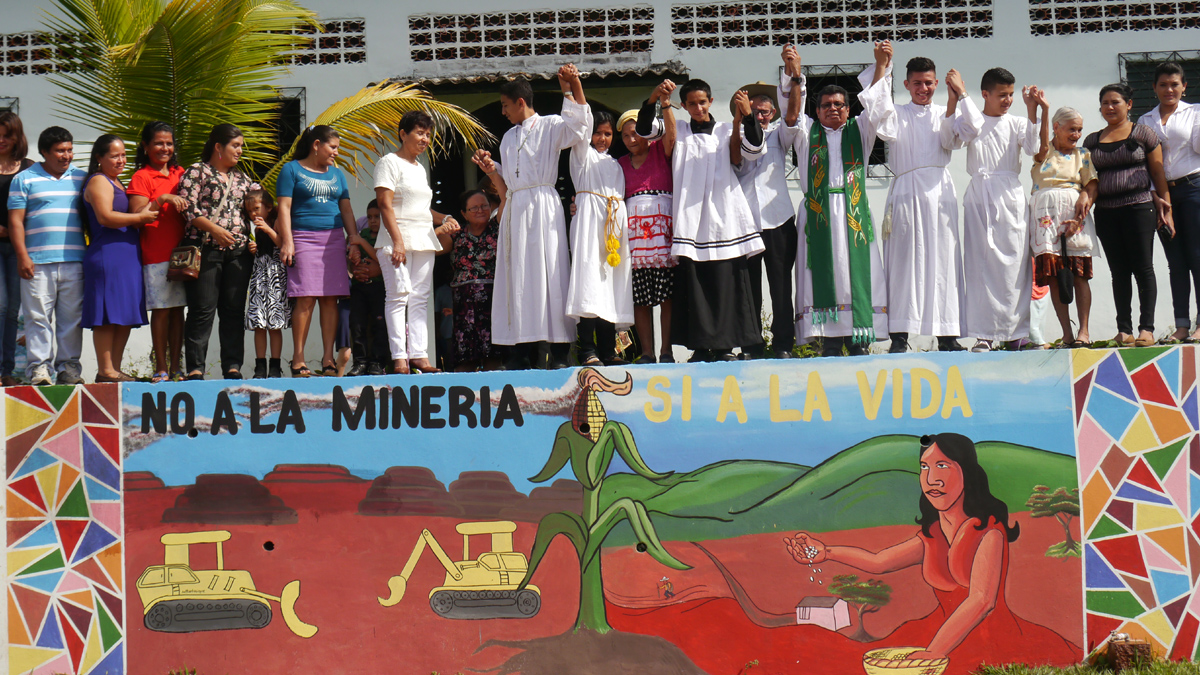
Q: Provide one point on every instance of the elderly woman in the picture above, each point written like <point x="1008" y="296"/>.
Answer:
<point x="473" y="260"/>
<point x="13" y="147"/>
<point x="1133" y="186"/>
<point x="1064" y="188"/>
<point x="155" y="180"/>
<point x="113" y="297"/>
<point x="214" y="189"/>
<point x="314" y="208"/>
<point x="408" y="243"/>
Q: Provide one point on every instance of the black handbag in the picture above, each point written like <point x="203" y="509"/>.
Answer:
<point x="1066" y="278"/>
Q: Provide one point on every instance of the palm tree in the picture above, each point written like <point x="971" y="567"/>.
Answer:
<point x="198" y="63"/>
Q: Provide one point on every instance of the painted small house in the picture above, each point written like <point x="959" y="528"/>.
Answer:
<point x="825" y="611"/>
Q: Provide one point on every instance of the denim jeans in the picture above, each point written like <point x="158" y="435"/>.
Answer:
<point x="10" y="306"/>
<point x="53" y="304"/>
<point x="1183" y="251"/>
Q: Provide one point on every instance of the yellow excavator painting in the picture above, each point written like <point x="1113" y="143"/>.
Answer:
<point x="475" y="588"/>
<point x="179" y="599"/>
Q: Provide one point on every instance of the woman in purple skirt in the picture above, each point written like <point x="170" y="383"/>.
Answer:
<point x="314" y="208"/>
<point x="113" y="294"/>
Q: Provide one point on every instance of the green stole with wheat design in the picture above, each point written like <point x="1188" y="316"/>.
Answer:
<point x="818" y="231"/>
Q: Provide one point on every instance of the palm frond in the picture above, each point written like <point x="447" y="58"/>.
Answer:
<point x="191" y="63"/>
<point x="366" y="124"/>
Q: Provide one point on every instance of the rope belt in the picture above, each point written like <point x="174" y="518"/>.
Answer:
<point x="508" y="232"/>
<point x="612" y="229"/>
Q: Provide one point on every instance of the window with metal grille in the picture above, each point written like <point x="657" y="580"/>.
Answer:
<point x="1137" y="70"/>
<point x="288" y="126"/>
<point x="10" y="104"/>
<point x="340" y="41"/>
<point x="550" y="33"/>
<point x="1066" y="17"/>
<point x="813" y="22"/>
<point x="846" y="77"/>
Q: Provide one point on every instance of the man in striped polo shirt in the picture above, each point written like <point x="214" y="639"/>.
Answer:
<point x="46" y="231"/>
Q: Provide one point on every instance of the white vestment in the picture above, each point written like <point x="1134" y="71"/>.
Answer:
<point x="598" y="289"/>
<point x="878" y="117"/>
<point x="920" y="229"/>
<point x="529" y="303"/>
<point x="999" y="280"/>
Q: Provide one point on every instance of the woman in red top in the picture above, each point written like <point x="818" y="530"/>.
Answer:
<point x="157" y="178"/>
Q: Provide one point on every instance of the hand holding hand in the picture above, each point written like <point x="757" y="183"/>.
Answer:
<point x="1029" y="95"/>
<point x="1040" y="98"/>
<point x="791" y="60"/>
<point x="954" y="83"/>
<point x="741" y="101"/>
<point x="883" y="54"/>
<point x="449" y="226"/>
<point x="483" y="160"/>
<point x="568" y="75"/>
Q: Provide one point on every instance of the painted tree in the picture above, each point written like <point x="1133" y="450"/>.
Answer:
<point x="866" y="597"/>
<point x="1063" y="506"/>
<point x="588" y="442"/>
<point x="198" y="63"/>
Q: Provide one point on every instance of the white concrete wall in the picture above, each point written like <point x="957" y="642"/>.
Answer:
<point x="1070" y="68"/>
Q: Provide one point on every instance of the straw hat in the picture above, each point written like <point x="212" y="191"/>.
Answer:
<point x="759" y="88"/>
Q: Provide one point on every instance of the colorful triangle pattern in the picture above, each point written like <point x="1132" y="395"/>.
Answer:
<point x="1140" y="502"/>
<point x="63" y="506"/>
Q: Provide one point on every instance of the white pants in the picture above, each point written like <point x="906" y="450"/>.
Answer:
<point x="53" y="304"/>
<point x="406" y="307"/>
<point x="1037" y="317"/>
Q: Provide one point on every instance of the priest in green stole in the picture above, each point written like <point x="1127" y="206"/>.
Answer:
<point x="841" y="292"/>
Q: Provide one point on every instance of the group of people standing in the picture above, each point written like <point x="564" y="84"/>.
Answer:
<point x="688" y="221"/>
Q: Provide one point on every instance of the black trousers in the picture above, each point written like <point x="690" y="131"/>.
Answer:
<point x="218" y="293"/>
<point x="1183" y="251"/>
<point x="368" y="332"/>
<point x="1127" y="235"/>
<point x="779" y="259"/>
<point x="598" y="337"/>
<point x="713" y="305"/>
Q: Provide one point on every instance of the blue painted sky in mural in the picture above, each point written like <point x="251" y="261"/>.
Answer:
<point x="1020" y="398"/>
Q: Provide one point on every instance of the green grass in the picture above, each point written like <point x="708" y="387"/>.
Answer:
<point x="1156" y="668"/>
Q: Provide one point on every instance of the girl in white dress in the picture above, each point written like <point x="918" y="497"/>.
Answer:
<point x="600" y="295"/>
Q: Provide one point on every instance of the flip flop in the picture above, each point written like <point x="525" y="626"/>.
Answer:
<point x="302" y="371"/>
<point x="160" y="376"/>
<point x="329" y="370"/>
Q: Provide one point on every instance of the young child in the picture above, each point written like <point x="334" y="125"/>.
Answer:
<point x="368" y="331"/>
<point x="268" y="311"/>
<point x="648" y="203"/>
<point x="995" y="227"/>
<point x="600" y="295"/>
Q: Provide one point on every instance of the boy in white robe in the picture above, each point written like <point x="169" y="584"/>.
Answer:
<point x="995" y="226"/>
<point x="712" y="311"/>
<point x="529" y="302"/>
<point x="921" y="252"/>
<point x="828" y="304"/>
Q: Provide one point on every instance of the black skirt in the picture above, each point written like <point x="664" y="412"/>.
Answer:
<point x="713" y="307"/>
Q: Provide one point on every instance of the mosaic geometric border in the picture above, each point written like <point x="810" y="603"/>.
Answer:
<point x="1139" y="462"/>
<point x="65" y="581"/>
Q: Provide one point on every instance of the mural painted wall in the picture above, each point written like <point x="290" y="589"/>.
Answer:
<point x="915" y="513"/>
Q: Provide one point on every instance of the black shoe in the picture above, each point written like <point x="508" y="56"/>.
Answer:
<point x="588" y="357"/>
<point x="260" y="369"/>
<point x="757" y="351"/>
<point x="274" y="369"/>
<point x="643" y="359"/>
<point x="855" y="349"/>
<point x="358" y="369"/>
<point x="701" y="356"/>
<point x="666" y="358"/>
<point x="727" y="356"/>
<point x="899" y="343"/>
<point x="784" y="354"/>
<point x="234" y="374"/>
<point x="560" y="354"/>
<point x="832" y="346"/>
<point x="949" y="344"/>
<point x="374" y="368"/>
<point x="616" y="361"/>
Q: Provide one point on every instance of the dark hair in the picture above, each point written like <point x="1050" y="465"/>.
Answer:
<point x="517" y="88"/>
<point x="600" y="118"/>
<point x="373" y="204"/>
<point x="99" y="150"/>
<point x="222" y="134"/>
<point x="16" y="132"/>
<point x="996" y="77"/>
<point x="978" y="500"/>
<point x="1124" y="90"/>
<point x="415" y="119"/>
<point x="265" y="197"/>
<point x="466" y="196"/>
<point x="1166" y="68"/>
<point x="694" y="84"/>
<point x="140" y="157"/>
<point x="318" y="132"/>
<point x="919" y="64"/>
<point x="52" y="136"/>
<point x="832" y="90"/>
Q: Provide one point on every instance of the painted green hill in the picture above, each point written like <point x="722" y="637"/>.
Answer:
<point x="871" y="484"/>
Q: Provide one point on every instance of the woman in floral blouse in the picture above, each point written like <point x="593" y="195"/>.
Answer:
<point x="214" y="189"/>
<point x="473" y="257"/>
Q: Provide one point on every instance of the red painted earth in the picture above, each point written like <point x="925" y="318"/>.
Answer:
<point x="344" y="561"/>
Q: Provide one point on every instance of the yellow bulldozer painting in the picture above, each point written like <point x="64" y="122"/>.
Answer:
<point x="475" y="588"/>
<point x="179" y="599"/>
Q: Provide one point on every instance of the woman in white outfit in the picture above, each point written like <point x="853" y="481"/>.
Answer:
<point x="409" y="239"/>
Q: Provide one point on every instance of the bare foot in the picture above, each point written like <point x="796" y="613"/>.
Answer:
<point x="1083" y="337"/>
